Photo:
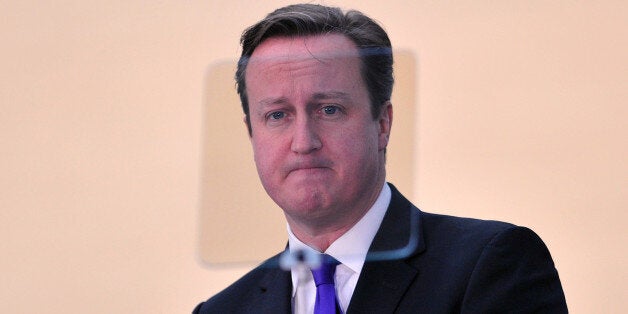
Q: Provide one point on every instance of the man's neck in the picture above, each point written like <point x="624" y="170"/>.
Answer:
<point x="318" y="238"/>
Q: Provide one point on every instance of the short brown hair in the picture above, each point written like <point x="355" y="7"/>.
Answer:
<point x="312" y="19"/>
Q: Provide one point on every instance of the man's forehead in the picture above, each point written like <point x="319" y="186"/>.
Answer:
<point x="301" y="48"/>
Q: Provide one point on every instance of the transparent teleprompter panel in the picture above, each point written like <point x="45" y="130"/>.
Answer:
<point x="238" y="222"/>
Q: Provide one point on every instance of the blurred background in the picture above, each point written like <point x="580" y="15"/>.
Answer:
<point x="513" y="110"/>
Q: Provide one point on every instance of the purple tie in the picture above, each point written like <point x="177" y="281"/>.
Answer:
<point x="325" y="291"/>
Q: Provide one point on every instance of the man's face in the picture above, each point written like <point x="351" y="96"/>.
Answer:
<point x="319" y="152"/>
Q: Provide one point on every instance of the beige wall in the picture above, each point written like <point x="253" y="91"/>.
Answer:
<point x="520" y="116"/>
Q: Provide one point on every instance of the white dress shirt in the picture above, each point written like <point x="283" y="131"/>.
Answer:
<point x="350" y="250"/>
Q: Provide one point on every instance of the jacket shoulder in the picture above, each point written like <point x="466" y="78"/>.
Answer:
<point x="498" y="267"/>
<point x="458" y="241"/>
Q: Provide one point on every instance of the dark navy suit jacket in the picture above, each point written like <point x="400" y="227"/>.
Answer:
<point x="459" y="265"/>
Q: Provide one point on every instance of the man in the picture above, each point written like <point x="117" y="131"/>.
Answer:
<point x="315" y="85"/>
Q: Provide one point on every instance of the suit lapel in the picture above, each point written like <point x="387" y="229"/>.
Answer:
<point x="274" y="294"/>
<point x="384" y="281"/>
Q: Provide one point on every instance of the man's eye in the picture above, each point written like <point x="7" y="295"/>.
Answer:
<point x="329" y="110"/>
<point x="277" y="115"/>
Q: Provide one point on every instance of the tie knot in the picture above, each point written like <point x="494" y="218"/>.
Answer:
<point x="324" y="274"/>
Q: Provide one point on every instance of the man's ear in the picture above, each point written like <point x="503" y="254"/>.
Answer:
<point x="385" y="124"/>
<point x="247" y="122"/>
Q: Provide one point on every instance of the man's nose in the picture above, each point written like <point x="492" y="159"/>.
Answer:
<point x="305" y="137"/>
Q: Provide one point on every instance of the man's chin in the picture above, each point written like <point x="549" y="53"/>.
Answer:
<point x="306" y="204"/>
